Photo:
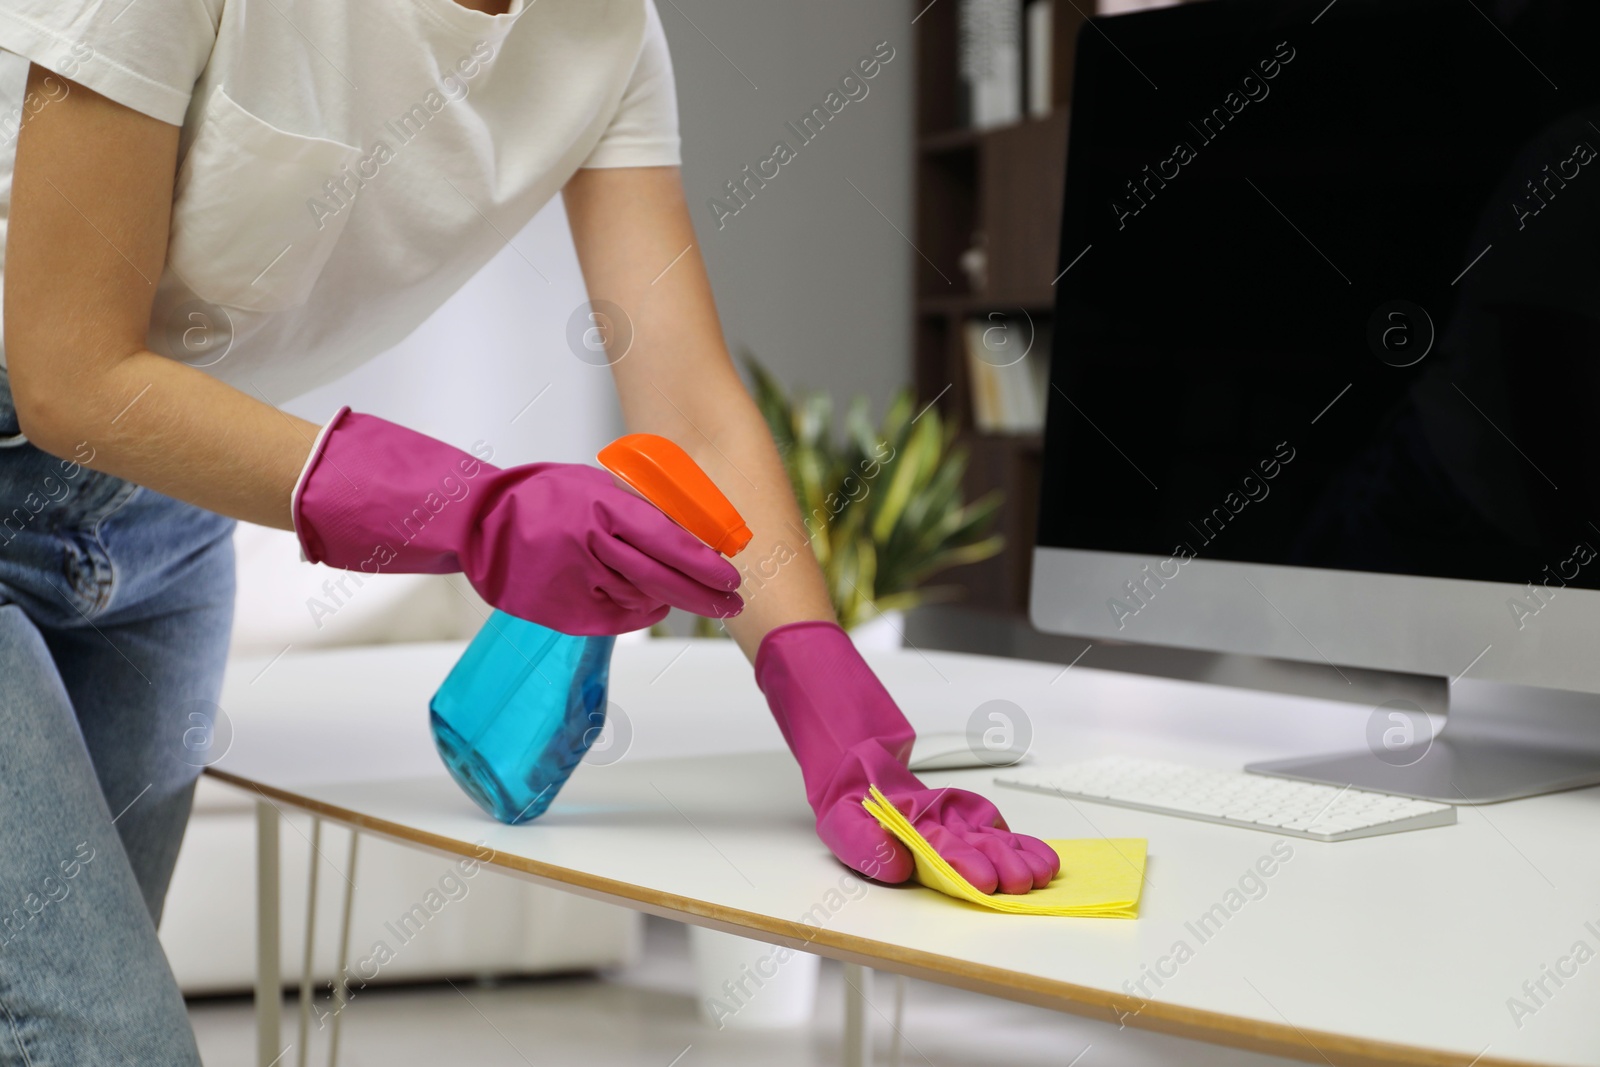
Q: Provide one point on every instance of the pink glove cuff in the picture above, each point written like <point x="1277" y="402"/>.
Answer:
<point x="827" y="702"/>
<point x="310" y="547"/>
<point x="378" y="497"/>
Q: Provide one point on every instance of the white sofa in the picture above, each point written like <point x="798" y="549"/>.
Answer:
<point x="493" y="924"/>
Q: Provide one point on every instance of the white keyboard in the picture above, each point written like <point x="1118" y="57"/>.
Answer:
<point x="1232" y="798"/>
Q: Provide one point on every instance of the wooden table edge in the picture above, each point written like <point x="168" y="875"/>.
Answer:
<point x="1278" y="1039"/>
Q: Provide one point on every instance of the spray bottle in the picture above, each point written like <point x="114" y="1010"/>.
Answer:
<point x="523" y="704"/>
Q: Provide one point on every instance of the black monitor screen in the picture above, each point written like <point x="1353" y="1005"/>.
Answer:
<point x="1332" y="289"/>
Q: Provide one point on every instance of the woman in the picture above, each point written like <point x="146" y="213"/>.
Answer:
<point x="299" y="184"/>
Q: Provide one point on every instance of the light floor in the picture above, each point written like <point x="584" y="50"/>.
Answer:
<point x="646" y="1017"/>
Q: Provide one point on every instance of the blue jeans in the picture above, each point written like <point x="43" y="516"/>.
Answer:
<point x="115" y="607"/>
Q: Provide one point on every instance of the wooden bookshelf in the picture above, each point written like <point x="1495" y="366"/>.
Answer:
<point x="1006" y="184"/>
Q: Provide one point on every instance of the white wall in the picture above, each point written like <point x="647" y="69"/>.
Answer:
<point x="809" y="276"/>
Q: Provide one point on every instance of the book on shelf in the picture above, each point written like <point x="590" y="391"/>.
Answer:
<point x="1008" y="370"/>
<point x="1041" y="60"/>
<point x="991" y="61"/>
<point x="1123" y="7"/>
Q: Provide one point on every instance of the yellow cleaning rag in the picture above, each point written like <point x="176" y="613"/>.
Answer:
<point x="1100" y="877"/>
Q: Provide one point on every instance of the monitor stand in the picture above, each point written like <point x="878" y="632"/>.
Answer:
<point x="1551" y="742"/>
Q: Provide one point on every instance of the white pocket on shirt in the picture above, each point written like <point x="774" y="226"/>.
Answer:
<point x="243" y="232"/>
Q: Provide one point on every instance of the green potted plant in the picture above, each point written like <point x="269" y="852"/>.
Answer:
<point x="883" y="505"/>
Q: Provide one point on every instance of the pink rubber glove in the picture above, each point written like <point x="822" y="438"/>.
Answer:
<point x="558" y="544"/>
<point x="846" y="732"/>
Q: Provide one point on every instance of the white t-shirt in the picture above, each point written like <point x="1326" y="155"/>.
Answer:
<point x="346" y="165"/>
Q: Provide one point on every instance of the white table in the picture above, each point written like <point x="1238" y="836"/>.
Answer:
<point x="1397" y="949"/>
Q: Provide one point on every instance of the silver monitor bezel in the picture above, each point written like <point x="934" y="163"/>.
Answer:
<point x="1390" y="622"/>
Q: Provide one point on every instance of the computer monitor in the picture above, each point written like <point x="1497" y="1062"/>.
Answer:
<point x="1326" y="372"/>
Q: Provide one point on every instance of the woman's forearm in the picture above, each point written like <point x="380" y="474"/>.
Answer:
<point x="90" y="204"/>
<point x="717" y="423"/>
<point x="640" y="257"/>
<point x="171" y="428"/>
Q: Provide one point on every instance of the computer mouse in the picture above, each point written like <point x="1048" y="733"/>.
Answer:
<point x="952" y="751"/>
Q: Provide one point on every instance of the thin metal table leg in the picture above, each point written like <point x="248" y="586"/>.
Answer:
<point x="857" y="1032"/>
<point x="269" y="980"/>
<point x="306" y="992"/>
<point x="898" y="1039"/>
<point x="341" y="974"/>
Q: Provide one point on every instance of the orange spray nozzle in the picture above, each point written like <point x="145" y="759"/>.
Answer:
<point x="662" y="472"/>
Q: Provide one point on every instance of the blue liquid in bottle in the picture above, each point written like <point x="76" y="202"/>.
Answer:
<point x="517" y="713"/>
